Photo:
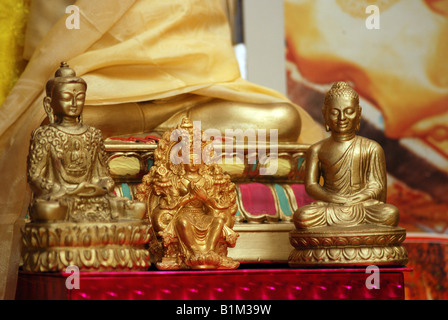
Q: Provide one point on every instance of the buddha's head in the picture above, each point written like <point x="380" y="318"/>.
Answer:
<point x="341" y="111"/>
<point x="65" y="94"/>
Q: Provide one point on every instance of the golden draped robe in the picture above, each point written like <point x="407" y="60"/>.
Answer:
<point x="361" y="168"/>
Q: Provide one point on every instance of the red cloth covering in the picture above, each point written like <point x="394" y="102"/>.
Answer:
<point x="147" y="139"/>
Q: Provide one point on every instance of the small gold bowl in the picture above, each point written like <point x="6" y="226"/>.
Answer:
<point x="44" y="211"/>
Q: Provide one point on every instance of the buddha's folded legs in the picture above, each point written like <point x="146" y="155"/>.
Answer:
<point x="146" y="117"/>
<point x="312" y="215"/>
<point x="320" y="213"/>
<point x="383" y="214"/>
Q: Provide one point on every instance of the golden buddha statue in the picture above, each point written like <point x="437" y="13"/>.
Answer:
<point x="192" y="205"/>
<point x="72" y="187"/>
<point x="346" y="175"/>
<point x="145" y="75"/>
<point x="67" y="162"/>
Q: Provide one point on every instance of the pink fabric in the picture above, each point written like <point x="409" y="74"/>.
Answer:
<point x="241" y="284"/>
<point x="258" y="199"/>
<point x="302" y="197"/>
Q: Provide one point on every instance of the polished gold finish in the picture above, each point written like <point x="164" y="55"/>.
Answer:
<point x="73" y="192"/>
<point x="350" y="200"/>
<point x="191" y="204"/>
<point x="360" y="245"/>
<point x="102" y="246"/>
<point x="291" y="158"/>
<point x="161" y="115"/>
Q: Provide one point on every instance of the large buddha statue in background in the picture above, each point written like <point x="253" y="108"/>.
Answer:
<point x="174" y="60"/>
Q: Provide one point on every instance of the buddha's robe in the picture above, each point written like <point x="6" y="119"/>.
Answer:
<point x="58" y="158"/>
<point x="360" y="169"/>
<point x="66" y="159"/>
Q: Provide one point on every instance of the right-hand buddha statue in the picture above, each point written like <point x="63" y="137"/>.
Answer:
<point x="346" y="175"/>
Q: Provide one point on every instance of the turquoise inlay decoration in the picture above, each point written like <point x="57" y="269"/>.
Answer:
<point x="300" y="162"/>
<point x="237" y="212"/>
<point x="150" y="163"/>
<point x="284" y="204"/>
<point x="126" y="191"/>
<point x="254" y="166"/>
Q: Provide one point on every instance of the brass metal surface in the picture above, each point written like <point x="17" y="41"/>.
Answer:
<point x="160" y="116"/>
<point x="191" y="205"/>
<point x="346" y="175"/>
<point x="73" y="192"/>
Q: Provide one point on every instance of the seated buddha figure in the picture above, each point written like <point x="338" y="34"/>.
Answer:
<point x="352" y="169"/>
<point x="192" y="206"/>
<point x="67" y="167"/>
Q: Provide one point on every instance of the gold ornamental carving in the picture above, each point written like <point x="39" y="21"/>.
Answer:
<point x="76" y="219"/>
<point x="191" y="203"/>
<point x="349" y="223"/>
<point x="99" y="246"/>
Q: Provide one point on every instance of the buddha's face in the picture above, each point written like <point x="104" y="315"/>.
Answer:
<point x="68" y="99"/>
<point x="342" y="115"/>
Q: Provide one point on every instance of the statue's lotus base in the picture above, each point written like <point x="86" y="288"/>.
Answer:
<point x="348" y="246"/>
<point x="105" y="246"/>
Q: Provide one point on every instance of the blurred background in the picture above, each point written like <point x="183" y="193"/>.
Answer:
<point x="395" y="55"/>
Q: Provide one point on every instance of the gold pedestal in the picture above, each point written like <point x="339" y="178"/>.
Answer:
<point x="107" y="246"/>
<point x="345" y="246"/>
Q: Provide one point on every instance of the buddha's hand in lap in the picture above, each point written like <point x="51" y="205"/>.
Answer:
<point x="106" y="183"/>
<point x="358" y="198"/>
<point x="57" y="193"/>
<point x="86" y="189"/>
<point x="336" y="199"/>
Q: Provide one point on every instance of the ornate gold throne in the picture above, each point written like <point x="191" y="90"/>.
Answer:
<point x="265" y="202"/>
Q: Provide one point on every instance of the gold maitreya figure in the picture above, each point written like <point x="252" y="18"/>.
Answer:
<point x="74" y="209"/>
<point x="346" y="175"/>
<point x="192" y="203"/>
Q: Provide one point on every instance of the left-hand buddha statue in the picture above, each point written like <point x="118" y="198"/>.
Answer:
<point x="67" y="167"/>
<point x="73" y="192"/>
<point x="350" y="221"/>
